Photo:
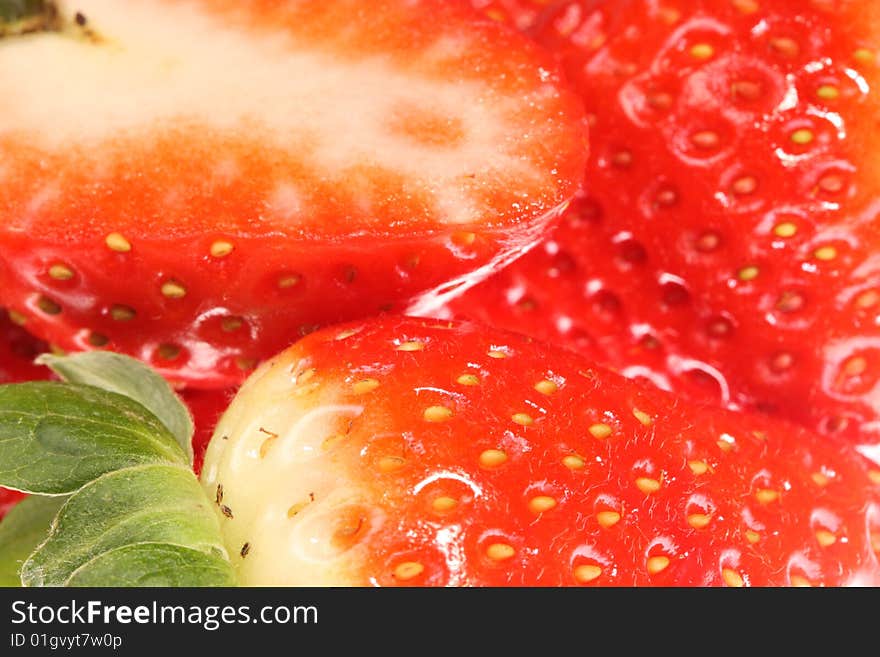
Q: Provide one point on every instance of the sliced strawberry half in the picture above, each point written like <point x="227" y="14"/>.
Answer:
<point x="727" y="243"/>
<point x="193" y="183"/>
<point x="406" y="452"/>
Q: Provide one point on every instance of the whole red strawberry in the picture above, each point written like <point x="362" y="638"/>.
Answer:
<point x="408" y="452"/>
<point x="727" y="243"/>
<point x="193" y="183"/>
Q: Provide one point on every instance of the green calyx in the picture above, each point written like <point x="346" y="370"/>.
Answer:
<point x="106" y="457"/>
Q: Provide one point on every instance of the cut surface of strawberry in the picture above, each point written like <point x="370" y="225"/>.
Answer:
<point x="727" y="243"/>
<point x="409" y="452"/>
<point x="192" y="183"/>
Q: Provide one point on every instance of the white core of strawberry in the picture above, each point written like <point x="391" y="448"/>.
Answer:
<point x="281" y="498"/>
<point x="171" y="63"/>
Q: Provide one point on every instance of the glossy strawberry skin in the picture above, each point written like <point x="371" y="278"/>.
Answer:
<point x="457" y="439"/>
<point x="201" y="251"/>
<point x="726" y="243"/>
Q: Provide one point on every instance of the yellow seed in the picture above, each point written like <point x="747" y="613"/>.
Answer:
<point x="411" y="346"/>
<point x="60" y="272"/>
<point x="802" y="136"/>
<point x="732" y="578"/>
<point x="573" y="462"/>
<point x="342" y="335"/>
<point x="364" y="386"/>
<point x="437" y="414"/>
<point x="657" y="564"/>
<point x="288" y="281"/>
<point x="497" y="354"/>
<point x="468" y="380"/>
<point x="766" y="495"/>
<point x="48" y="306"/>
<point x="702" y="51"/>
<point x="246" y="364"/>
<point x="868" y="299"/>
<point x="752" y="536"/>
<point x="464" y="238"/>
<point x="408" y="570"/>
<point x="546" y="387"/>
<point x="785" y="229"/>
<point x="391" y="463"/>
<point x="523" y="419"/>
<point x="863" y="55"/>
<point x="444" y="503"/>
<point x="799" y="581"/>
<point x="586" y="573"/>
<point x="855" y="366"/>
<point x="541" y="503"/>
<point x="825" y="253"/>
<point x="725" y="445"/>
<point x="600" y="431"/>
<point x="874" y="476"/>
<point x="608" y="519"/>
<point x="296" y="508"/>
<point x="647" y="485"/>
<point x="746" y="6"/>
<point x="828" y="92"/>
<point x="819" y="479"/>
<point x="698" y="467"/>
<point x="492" y="458"/>
<point x="500" y="551"/>
<point x="168" y="351"/>
<point x="173" y="290"/>
<point x="267" y="444"/>
<point x="875" y="542"/>
<point x="231" y="324"/>
<point x="17" y="318"/>
<point x="221" y="248"/>
<point x="116" y="242"/>
<point x="699" y="520"/>
<point x="643" y="417"/>
<point x="122" y="313"/>
<point x="749" y="273"/>
<point x="825" y="538"/>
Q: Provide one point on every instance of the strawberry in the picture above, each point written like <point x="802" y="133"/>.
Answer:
<point x="223" y="175"/>
<point x="400" y="451"/>
<point x="726" y="243"/>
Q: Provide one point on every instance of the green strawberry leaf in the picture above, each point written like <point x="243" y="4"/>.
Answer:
<point x="56" y="437"/>
<point x="155" y="564"/>
<point x="23" y="528"/>
<point x="125" y="525"/>
<point x="129" y="377"/>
